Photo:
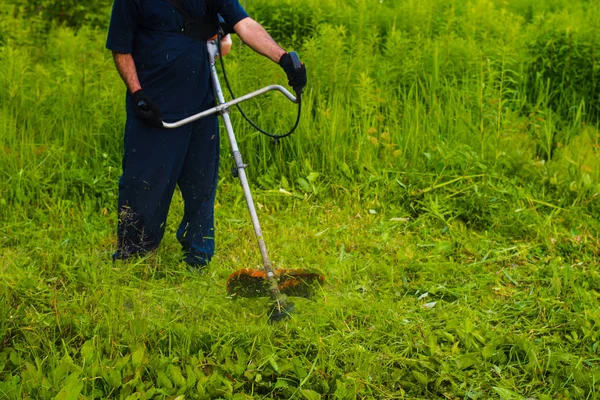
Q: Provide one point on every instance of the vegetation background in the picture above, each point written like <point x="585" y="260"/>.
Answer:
<point x="445" y="178"/>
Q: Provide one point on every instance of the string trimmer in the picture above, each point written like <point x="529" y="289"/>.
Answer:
<point x="277" y="284"/>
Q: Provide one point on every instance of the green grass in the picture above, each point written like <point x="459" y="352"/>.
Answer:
<point x="509" y="315"/>
<point x="445" y="178"/>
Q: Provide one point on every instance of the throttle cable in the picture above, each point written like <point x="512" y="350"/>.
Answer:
<point x="252" y="123"/>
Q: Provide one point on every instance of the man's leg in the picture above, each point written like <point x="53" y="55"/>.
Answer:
<point x="152" y="161"/>
<point x="198" y="184"/>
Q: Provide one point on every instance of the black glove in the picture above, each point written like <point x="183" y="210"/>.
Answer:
<point x="296" y="76"/>
<point x="146" y="110"/>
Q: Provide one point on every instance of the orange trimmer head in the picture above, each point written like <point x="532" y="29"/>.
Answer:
<point x="291" y="282"/>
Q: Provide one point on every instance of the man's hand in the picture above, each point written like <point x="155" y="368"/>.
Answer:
<point x="255" y="36"/>
<point x="225" y="45"/>
<point x="146" y="110"/>
<point x="296" y="76"/>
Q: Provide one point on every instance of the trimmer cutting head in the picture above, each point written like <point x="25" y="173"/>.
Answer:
<point x="280" y="311"/>
<point x="292" y="282"/>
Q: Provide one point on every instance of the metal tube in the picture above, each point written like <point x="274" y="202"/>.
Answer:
<point x="240" y="166"/>
<point x="224" y="106"/>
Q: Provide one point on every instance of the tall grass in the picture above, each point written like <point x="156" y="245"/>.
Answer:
<point x="404" y="84"/>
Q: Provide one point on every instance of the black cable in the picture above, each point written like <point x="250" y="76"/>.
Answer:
<point x="271" y="135"/>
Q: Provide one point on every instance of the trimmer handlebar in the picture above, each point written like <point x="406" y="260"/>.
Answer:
<point x="213" y="52"/>
<point x="295" y="60"/>
<point x="221" y="107"/>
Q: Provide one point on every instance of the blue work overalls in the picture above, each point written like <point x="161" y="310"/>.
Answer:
<point x="173" y="70"/>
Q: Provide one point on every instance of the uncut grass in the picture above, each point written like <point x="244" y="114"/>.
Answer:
<point x="471" y="94"/>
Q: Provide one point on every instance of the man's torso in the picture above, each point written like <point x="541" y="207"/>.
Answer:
<point x="172" y="68"/>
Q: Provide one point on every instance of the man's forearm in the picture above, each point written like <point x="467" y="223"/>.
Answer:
<point x="126" y="67"/>
<point x="255" y="36"/>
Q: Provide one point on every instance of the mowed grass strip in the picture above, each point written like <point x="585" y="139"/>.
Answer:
<point x="407" y="312"/>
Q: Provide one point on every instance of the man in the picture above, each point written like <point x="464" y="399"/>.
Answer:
<point x="166" y="71"/>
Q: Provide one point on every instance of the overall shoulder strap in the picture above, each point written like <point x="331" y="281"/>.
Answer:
<point x="197" y="29"/>
<point x="178" y="4"/>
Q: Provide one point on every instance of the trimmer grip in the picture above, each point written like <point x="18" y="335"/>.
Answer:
<point x="295" y="60"/>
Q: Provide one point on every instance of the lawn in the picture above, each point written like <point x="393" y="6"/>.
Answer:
<point x="445" y="178"/>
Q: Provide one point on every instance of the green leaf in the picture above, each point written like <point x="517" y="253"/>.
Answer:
<point x="71" y="389"/>
<point x="137" y="358"/>
<point x="299" y="369"/>
<point x="346" y="170"/>
<point x="488" y="351"/>
<point x="341" y="391"/>
<point x="506" y="394"/>
<point x="422" y="378"/>
<point x="120" y="363"/>
<point x="178" y="378"/>
<point x="87" y="351"/>
<point x="163" y="381"/>
<point x="312" y="177"/>
<point x="191" y="376"/>
<point x="310" y="394"/>
<point x="281" y="383"/>
<point x="304" y="185"/>
<point x="62" y="370"/>
<point x="273" y="364"/>
<point x="31" y="373"/>
<point x="577" y="392"/>
<point x="465" y="362"/>
<point x="113" y="378"/>
<point x="14" y="358"/>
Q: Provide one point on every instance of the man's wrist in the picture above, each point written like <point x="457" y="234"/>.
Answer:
<point x="134" y="89"/>
<point x="137" y="93"/>
<point x="280" y="54"/>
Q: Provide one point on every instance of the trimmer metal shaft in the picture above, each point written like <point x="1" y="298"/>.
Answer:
<point x="282" y="306"/>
